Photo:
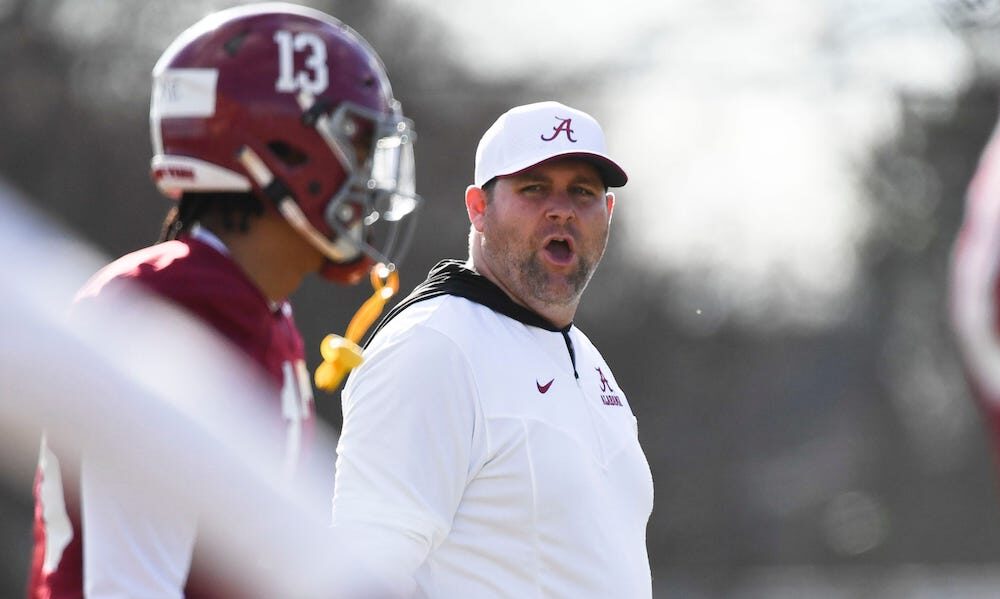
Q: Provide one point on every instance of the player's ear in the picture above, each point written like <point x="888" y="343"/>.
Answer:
<point x="475" y="205"/>
<point x="609" y="197"/>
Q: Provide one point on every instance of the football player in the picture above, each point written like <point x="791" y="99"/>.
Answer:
<point x="276" y="135"/>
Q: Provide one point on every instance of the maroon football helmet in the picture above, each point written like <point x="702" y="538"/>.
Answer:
<point x="289" y="103"/>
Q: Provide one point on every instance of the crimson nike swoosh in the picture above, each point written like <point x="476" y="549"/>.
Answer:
<point x="543" y="388"/>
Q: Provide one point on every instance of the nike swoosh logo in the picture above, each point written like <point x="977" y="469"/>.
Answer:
<point x="543" y="388"/>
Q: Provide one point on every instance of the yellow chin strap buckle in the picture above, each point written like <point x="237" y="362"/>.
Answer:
<point x="341" y="354"/>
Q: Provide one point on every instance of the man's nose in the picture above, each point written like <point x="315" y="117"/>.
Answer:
<point x="560" y="207"/>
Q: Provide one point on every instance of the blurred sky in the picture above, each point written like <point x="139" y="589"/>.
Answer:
<point x="744" y="124"/>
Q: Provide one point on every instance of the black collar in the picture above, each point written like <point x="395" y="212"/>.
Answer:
<point x="453" y="277"/>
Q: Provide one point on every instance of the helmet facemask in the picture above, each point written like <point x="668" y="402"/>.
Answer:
<point x="373" y="212"/>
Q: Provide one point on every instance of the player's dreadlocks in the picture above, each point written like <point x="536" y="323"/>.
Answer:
<point x="231" y="211"/>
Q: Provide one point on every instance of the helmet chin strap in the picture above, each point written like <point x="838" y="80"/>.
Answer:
<point x="340" y="353"/>
<point x="341" y="250"/>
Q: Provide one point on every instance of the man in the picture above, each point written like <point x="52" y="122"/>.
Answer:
<point x="487" y="447"/>
<point x="974" y="286"/>
<point x="275" y="130"/>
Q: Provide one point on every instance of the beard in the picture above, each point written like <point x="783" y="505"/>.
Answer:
<point x="517" y="261"/>
<point x="544" y="289"/>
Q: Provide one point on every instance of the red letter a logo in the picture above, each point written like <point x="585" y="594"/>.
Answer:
<point x="565" y="126"/>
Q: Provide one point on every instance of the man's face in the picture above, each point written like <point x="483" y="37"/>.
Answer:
<point x="545" y="230"/>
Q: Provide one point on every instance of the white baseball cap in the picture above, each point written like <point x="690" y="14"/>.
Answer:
<point x="528" y="135"/>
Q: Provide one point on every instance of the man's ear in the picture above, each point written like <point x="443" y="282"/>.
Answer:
<point x="610" y="199"/>
<point x="475" y="205"/>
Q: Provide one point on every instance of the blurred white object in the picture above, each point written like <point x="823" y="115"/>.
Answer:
<point x="128" y="397"/>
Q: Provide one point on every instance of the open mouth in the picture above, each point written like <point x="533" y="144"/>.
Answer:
<point x="559" y="250"/>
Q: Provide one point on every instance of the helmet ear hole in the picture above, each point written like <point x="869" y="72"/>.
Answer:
<point x="315" y="188"/>
<point x="287" y="153"/>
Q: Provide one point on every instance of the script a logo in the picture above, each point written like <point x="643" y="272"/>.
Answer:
<point x="605" y="385"/>
<point x="608" y="395"/>
<point x="565" y="126"/>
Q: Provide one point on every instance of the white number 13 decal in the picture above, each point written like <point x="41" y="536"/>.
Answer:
<point x="315" y="78"/>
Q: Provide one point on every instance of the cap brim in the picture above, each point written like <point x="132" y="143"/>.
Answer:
<point x="612" y="174"/>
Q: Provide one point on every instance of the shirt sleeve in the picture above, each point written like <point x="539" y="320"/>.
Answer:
<point x="135" y="544"/>
<point x="409" y="445"/>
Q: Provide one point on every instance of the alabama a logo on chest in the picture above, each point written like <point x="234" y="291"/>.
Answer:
<point x="608" y="395"/>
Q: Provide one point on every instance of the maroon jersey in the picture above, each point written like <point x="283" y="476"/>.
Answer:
<point x="206" y="282"/>
<point x="975" y="286"/>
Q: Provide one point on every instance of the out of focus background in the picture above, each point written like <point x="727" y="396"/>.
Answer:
<point x="773" y="299"/>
